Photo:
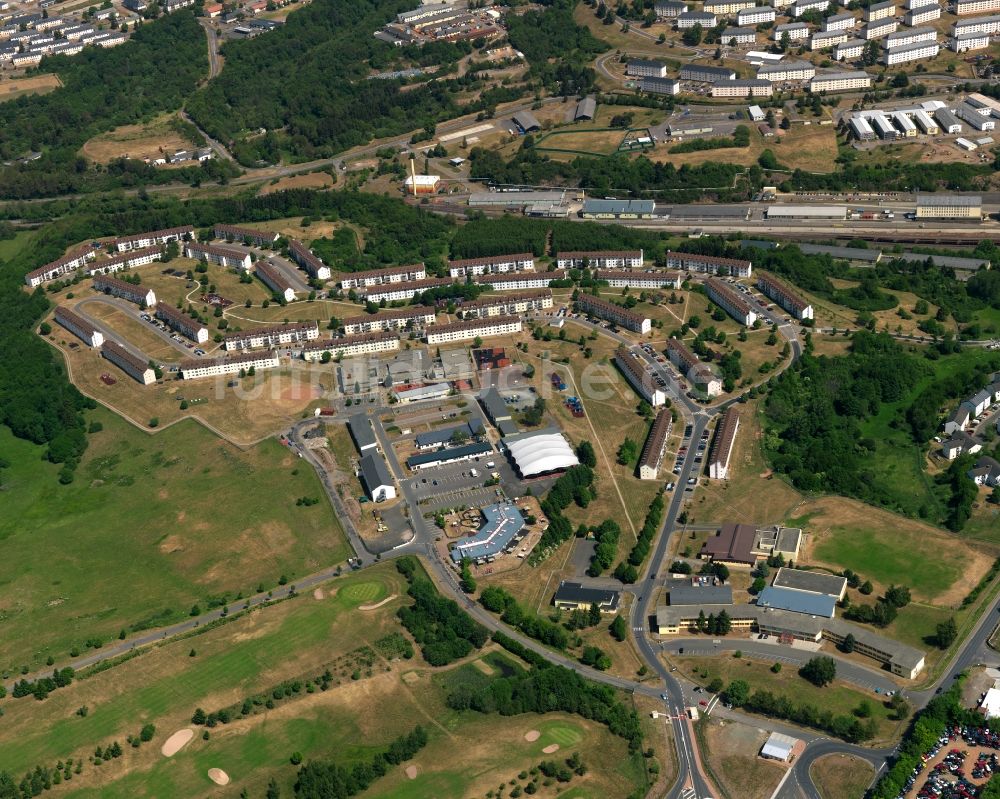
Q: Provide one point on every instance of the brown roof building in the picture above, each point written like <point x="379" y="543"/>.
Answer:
<point x="656" y="443"/>
<point x="732" y="545"/>
<point x="722" y="445"/>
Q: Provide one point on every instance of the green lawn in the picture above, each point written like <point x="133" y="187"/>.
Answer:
<point x="150" y="526"/>
<point x="11" y="247"/>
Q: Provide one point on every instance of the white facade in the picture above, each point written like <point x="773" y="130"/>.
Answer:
<point x="974" y="118"/>
<point x="924" y="14"/>
<point x="730" y="301"/>
<point x="630" y="259"/>
<point x="272" y="337"/>
<point x="79" y="326"/>
<point x="640" y="280"/>
<point x="823" y="39"/>
<point x="393" y="292"/>
<point x="691" y="18"/>
<point x="381" y="277"/>
<point x="58" y="268"/>
<point x="275" y="281"/>
<point x="304" y="257"/>
<point x="127" y="260"/>
<point x="795" y="30"/>
<point x="990" y="25"/>
<point x="153" y="238"/>
<point x="839" y="22"/>
<point x="966" y="42"/>
<point x="742" y="88"/>
<point x="623" y="317"/>
<point x="416" y="318"/>
<point x="800" y="7"/>
<point x="966" y="7"/>
<point x="727" y="7"/>
<point x="522" y="262"/>
<point x="841" y="82"/>
<point x="230" y="259"/>
<point x="787" y="71"/>
<point x="218" y="367"/>
<point x="140" y="295"/>
<point x="708" y="264"/>
<point x="911" y="52"/>
<point x="477" y="328"/>
<point x="910" y="36"/>
<point x="514" y="281"/>
<point x="350" y="346"/>
<point x="852" y="48"/>
<point x="507" y="304"/>
<point x="132" y="365"/>
<point x="882" y="10"/>
<point x="182" y="323"/>
<point x="757" y="15"/>
<point x="879" y="28"/>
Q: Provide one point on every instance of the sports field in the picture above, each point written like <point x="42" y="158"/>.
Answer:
<point x="365" y="707"/>
<point x="150" y="526"/>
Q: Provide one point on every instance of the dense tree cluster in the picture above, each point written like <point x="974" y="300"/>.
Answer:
<point x="606" y="534"/>
<point x="627" y="571"/>
<point x="499" y="600"/>
<point x="443" y="630"/>
<point x="820" y="670"/>
<point x="328" y="780"/>
<point x="485" y="236"/>
<point x="43" y="686"/>
<point x="570" y="485"/>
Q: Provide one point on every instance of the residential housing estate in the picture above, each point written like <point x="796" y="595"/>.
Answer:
<point x="603" y="259"/>
<point x="701" y="375"/>
<point x="134" y="366"/>
<point x="144" y="297"/>
<point x="785" y="296"/>
<point x="722" y="445"/>
<point x="380" y="277"/>
<point x="223" y="256"/>
<point x="79" y="326"/>
<point x="227" y="364"/>
<point x="656" y="444"/>
<point x="182" y="323"/>
<point x="272" y="278"/>
<point x="59" y="267"/>
<point x="271" y="337"/>
<point x="304" y="257"/>
<point x="259" y="238"/>
<point x="521" y="262"/>
<point x="623" y="317"/>
<point x="637" y="373"/>
<point x="349" y="346"/>
<point x="731" y="301"/>
<point x="154" y="238"/>
<point x="470" y="329"/>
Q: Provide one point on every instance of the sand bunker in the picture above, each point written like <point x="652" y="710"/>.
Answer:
<point x="318" y="593"/>
<point x="548" y="750"/>
<point x="176" y="742"/>
<point x="532" y="735"/>
<point x="218" y="776"/>
<point x="378" y="604"/>
<point x="411" y="772"/>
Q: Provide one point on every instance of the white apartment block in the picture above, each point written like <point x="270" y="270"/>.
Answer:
<point x="656" y="445"/>
<point x="839" y="22"/>
<point x="727" y="8"/>
<point x="59" y="267"/>
<point x="473" y="328"/>
<point x="911" y="52"/>
<point x="965" y="7"/>
<point x="758" y="15"/>
<point x="878" y="11"/>
<point x="514" y="281"/>
<point x="604" y="259"/>
<point x="849" y="50"/>
<point x="259" y="238"/>
<point x="394" y="292"/>
<point x="709" y="264"/>
<point x="519" y="302"/>
<point x="126" y="260"/>
<point x="304" y="257"/>
<point x="879" y="28"/>
<point x="990" y="25"/>
<point x="731" y="301"/>
<point x="403" y="319"/>
<point x="79" y="326"/>
<point x="618" y="279"/>
<point x="966" y="42"/>
<point x="227" y="365"/>
<point x="349" y="346"/>
<point x="742" y="88"/>
<point x="861" y="129"/>
<point x="795" y="31"/>
<point x="153" y="238"/>
<point x="840" y="82"/>
<point x="700" y="375"/>
<point x="924" y="14"/>
<point x="274" y="280"/>
<point x="379" y="277"/>
<point x="974" y="117"/>
<point x="641" y="68"/>
<point x="608" y="311"/>
<point x="800" y="7"/>
<point x="636" y="371"/>
<point x="823" y="39"/>
<point x="787" y="71"/>
<point x="910" y="36"/>
<point x="140" y="295"/>
<point x="722" y="445"/>
<point x="182" y="323"/>
<point x="492" y="265"/>
<point x="912" y="5"/>
<point x="223" y="256"/>
<point x="271" y="337"/>
<point x="135" y="367"/>
<point x="691" y="18"/>
<point x="785" y="296"/>
<point x="738" y="36"/>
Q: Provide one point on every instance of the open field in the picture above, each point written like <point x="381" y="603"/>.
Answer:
<point x="153" y="139"/>
<point x="731" y="752"/>
<point x="837" y="776"/>
<point x="580" y="140"/>
<point x="370" y="701"/>
<point x="311" y="180"/>
<point x="150" y="526"/>
<point x="133" y="331"/>
<point x="839" y="698"/>
<point x="36" y="84"/>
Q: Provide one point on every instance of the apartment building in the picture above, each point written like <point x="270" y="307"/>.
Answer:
<point x="636" y="371"/>
<point x="642" y="68"/>
<point x="877" y="11"/>
<point x="656" y="445"/>
<point x="136" y="367"/>
<point x="823" y="39"/>
<point x="141" y="296"/>
<point x="79" y="326"/>
<point x="963" y="8"/>
<point x="698" y="73"/>
<point x="227" y="365"/>
<point x="494" y="264"/>
<point x="415" y="318"/>
<point x="59" y="267"/>
<point x="972" y="116"/>
<point x="153" y="238"/>
<point x="726" y="8"/>
<point x="380" y="277"/>
<point x="786" y="71"/>
<point x="223" y="256"/>
<point x="794" y="30"/>
<point x="602" y="259"/>
<point x="691" y="18"/>
<point x="272" y="278"/>
<point x="840" y="22"/>
<point x="922" y="15"/>
<point x="517" y="302"/>
<point x="350" y="346"/>
<point x="669" y="9"/>
<point x="126" y="260"/>
<point x="722" y="445"/>
<point x="910" y="36"/>
<point x="182" y="323"/>
<point x="394" y="292"/>
<point x="709" y="264"/>
<point x="699" y="374"/>
<point x="738" y="36"/>
<point x="849" y="50"/>
<point x="516" y="281"/>
<point x="742" y="88"/>
<point x="800" y="7"/>
<point x="912" y="5"/>
<point x="758" y="15"/>
<point x="840" y="82"/>
<point x="258" y="238"/>
<point x="608" y="311"/>
<point x="304" y="257"/>
<point x="667" y="86"/>
<point x="785" y="296"/>
<point x="271" y="337"/>
<point x="919" y="51"/>
<point x="652" y="279"/>
<point x="469" y="329"/>
<point x="989" y="25"/>
<point x="879" y="28"/>
<point x="731" y="301"/>
<point x="967" y="42"/>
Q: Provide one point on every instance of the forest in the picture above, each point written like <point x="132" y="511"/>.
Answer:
<point x="154" y="71"/>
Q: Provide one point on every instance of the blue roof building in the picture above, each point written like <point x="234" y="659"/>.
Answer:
<point x="797" y="601"/>
<point x="503" y="522"/>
